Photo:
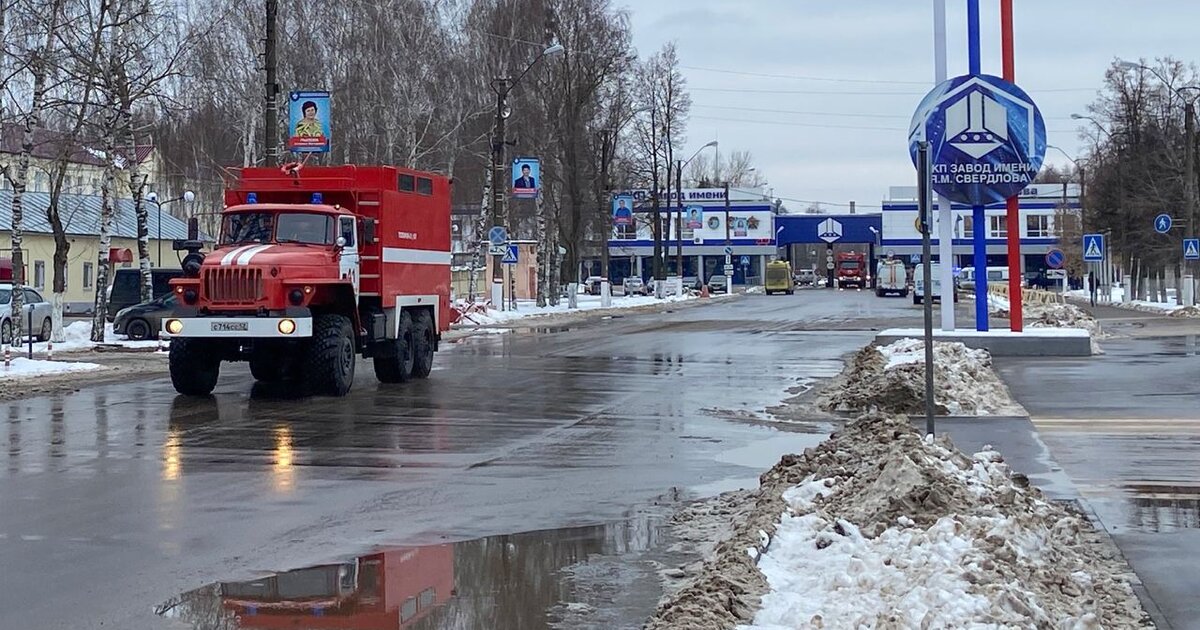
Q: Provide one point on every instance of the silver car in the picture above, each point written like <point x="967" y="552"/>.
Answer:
<point x="33" y="302"/>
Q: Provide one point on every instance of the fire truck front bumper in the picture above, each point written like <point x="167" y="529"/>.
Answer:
<point x="238" y="327"/>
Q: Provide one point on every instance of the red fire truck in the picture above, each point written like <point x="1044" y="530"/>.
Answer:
<point x="852" y="270"/>
<point x="312" y="268"/>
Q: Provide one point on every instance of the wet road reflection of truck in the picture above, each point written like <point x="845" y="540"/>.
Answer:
<point x="383" y="591"/>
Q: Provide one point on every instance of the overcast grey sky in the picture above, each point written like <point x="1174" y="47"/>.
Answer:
<point x="843" y="139"/>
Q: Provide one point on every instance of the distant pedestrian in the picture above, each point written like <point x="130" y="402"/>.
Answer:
<point x="1092" y="286"/>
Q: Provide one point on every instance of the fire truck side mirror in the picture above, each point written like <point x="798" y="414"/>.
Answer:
<point x="368" y="235"/>
<point x="341" y="241"/>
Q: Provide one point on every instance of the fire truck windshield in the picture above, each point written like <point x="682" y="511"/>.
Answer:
<point x="288" y="227"/>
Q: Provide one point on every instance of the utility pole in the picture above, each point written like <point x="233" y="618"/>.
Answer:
<point x="606" y="151"/>
<point x="271" y="106"/>
<point x="679" y="217"/>
<point x="499" y="199"/>
<point x="1189" y="126"/>
<point x="728" y="247"/>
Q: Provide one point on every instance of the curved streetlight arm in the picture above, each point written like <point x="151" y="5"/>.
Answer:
<point x="551" y="51"/>
<point x="689" y="160"/>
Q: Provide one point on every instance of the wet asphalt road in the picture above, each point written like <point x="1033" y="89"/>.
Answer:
<point x="120" y="497"/>
<point x="1125" y="427"/>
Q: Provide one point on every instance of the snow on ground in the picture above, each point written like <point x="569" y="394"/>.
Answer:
<point x="889" y="529"/>
<point x="1170" y="307"/>
<point x="79" y="337"/>
<point x="880" y="527"/>
<point x="528" y="308"/>
<point x="891" y="379"/>
<point x="29" y="368"/>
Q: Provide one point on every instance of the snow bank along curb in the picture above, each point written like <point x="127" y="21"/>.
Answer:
<point x="23" y="368"/>
<point x="891" y="379"/>
<point x="587" y="308"/>
<point x="878" y="527"/>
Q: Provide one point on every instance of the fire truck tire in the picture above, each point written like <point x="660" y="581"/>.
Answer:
<point x="266" y="369"/>
<point x="329" y="368"/>
<point x="395" y="359"/>
<point x="423" y="343"/>
<point x="194" y="367"/>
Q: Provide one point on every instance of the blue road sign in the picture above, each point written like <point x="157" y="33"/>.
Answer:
<point x="728" y="250"/>
<point x="1162" y="223"/>
<point x="1191" y="249"/>
<point x="1093" y="247"/>
<point x="510" y="255"/>
<point x="987" y="138"/>
<point x="1055" y="258"/>
<point x="745" y="262"/>
<point x="497" y="235"/>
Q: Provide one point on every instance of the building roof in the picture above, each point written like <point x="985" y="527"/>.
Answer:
<point x="81" y="216"/>
<point x="47" y="144"/>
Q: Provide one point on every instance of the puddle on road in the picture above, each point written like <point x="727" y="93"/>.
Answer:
<point x="581" y="577"/>
<point x="1163" y="507"/>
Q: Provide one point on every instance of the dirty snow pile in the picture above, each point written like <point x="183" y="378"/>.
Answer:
<point x="22" y="367"/>
<point x="529" y="308"/>
<point x="886" y="529"/>
<point x="878" y="527"/>
<point x="1186" y="311"/>
<point x="891" y="379"/>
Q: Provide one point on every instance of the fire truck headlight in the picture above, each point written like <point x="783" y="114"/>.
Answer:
<point x="287" y="326"/>
<point x="174" y="326"/>
<point x="190" y="296"/>
<point x="296" y="297"/>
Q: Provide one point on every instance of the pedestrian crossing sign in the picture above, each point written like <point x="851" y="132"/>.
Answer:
<point x="510" y="255"/>
<point x="1093" y="247"/>
<point x="1191" y="249"/>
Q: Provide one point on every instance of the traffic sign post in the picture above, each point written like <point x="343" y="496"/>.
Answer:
<point x="1191" y="249"/>
<point x="1093" y="248"/>
<point x="1055" y="258"/>
<point x="1163" y="223"/>
<point x="497" y="235"/>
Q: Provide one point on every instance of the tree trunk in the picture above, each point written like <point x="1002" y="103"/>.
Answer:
<point x="107" y="205"/>
<point x="542" y="246"/>
<point x="481" y="227"/>
<point x="62" y="247"/>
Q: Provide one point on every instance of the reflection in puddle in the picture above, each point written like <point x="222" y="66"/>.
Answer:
<point x="527" y="580"/>
<point x="1161" y="508"/>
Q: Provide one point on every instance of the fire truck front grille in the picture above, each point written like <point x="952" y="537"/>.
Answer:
<point x="233" y="285"/>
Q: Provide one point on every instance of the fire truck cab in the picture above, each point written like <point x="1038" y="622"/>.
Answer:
<point x="312" y="268"/>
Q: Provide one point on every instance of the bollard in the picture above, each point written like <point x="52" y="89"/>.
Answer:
<point x="29" y="331"/>
<point x="50" y="350"/>
<point x="7" y="355"/>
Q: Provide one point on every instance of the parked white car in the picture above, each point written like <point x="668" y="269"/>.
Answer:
<point x="33" y="302"/>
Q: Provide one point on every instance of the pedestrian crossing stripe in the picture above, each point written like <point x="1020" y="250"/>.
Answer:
<point x="1093" y="249"/>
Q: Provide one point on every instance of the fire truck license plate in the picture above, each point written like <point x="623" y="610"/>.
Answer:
<point x="230" y="326"/>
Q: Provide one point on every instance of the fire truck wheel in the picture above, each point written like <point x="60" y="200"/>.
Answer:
<point x="394" y="358"/>
<point x="423" y="342"/>
<point x="330" y="365"/>
<point x="194" y="367"/>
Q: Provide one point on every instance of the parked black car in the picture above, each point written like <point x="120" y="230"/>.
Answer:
<point x="126" y="287"/>
<point x="143" y="321"/>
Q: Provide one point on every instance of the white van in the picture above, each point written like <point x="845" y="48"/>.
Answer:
<point x="919" y="283"/>
<point x="994" y="274"/>
<point x="891" y="278"/>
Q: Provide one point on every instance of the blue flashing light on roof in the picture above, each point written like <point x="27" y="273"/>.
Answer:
<point x="317" y="198"/>
<point x="251" y="197"/>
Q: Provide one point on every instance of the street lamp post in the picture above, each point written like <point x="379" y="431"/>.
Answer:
<point x="187" y="197"/>
<point x="502" y="86"/>
<point x="680" y="165"/>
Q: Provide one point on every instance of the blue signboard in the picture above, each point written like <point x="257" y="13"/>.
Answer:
<point x="1093" y="247"/>
<point x="308" y="122"/>
<point x="987" y="138"/>
<point x="510" y="255"/>
<point x="745" y="261"/>
<point x="1162" y="223"/>
<point x="1055" y="258"/>
<point x="1191" y="249"/>
<point x="527" y="173"/>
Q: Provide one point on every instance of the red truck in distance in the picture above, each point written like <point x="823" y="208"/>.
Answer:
<point x="851" y="270"/>
<point x="313" y="268"/>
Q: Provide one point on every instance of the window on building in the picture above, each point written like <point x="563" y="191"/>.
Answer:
<point x="997" y="227"/>
<point x="625" y="232"/>
<point x="968" y="226"/>
<point x="87" y="275"/>
<point x="39" y="274"/>
<point x="1038" y="225"/>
